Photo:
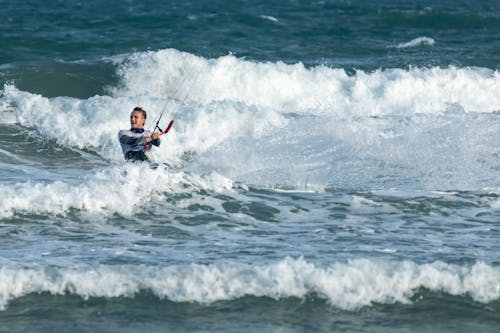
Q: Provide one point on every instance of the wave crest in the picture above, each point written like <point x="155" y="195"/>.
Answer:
<point x="357" y="283"/>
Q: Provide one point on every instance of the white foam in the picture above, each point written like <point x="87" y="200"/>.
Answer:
<point x="349" y="286"/>
<point x="122" y="190"/>
<point x="295" y="88"/>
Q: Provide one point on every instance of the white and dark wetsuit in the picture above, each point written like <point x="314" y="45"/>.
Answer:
<point x="134" y="145"/>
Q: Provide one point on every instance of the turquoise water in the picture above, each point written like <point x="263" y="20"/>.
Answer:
<point x="334" y="166"/>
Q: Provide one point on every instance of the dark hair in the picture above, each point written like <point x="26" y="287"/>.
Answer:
<point x="141" y="110"/>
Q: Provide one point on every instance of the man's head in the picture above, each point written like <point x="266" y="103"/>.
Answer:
<point x="137" y="117"/>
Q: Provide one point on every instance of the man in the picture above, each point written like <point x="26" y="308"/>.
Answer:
<point x="137" y="142"/>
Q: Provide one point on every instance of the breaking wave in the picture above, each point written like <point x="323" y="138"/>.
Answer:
<point x="286" y="124"/>
<point x="351" y="285"/>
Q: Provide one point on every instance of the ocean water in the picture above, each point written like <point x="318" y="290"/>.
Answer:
<point x="334" y="166"/>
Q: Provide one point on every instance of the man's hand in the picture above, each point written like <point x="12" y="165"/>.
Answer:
<point x="153" y="137"/>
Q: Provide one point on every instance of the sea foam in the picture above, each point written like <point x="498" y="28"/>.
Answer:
<point x="112" y="190"/>
<point x="350" y="285"/>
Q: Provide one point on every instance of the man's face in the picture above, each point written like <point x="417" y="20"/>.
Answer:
<point x="136" y="119"/>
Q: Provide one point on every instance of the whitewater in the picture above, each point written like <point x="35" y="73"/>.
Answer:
<point x="388" y="119"/>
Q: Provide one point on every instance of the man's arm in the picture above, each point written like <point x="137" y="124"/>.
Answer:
<point x="131" y="140"/>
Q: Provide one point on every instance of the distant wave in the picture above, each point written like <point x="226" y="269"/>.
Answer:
<point x="270" y="18"/>
<point x="427" y="41"/>
<point x="352" y="285"/>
